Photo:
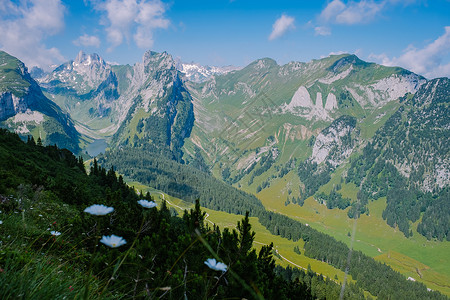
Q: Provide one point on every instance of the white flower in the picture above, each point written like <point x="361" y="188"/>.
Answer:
<point x="147" y="204"/>
<point x="113" y="241"/>
<point x="55" y="233"/>
<point x="213" y="264"/>
<point x="99" y="210"/>
<point x="1" y="222"/>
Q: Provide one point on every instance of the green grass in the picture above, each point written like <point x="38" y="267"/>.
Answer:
<point x="12" y="81"/>
<point x="373" y="236"/>
<point x="377" y="118"/>
<point x="415" y="269"/>
<point x="283" y="246"/>
<point x="31" y="264"/>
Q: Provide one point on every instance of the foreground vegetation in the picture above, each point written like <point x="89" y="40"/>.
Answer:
<point x="370" y="275"/>
<point x="50" y="248"/>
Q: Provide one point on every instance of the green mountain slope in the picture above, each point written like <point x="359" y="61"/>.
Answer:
<point x="408" y="161"/>
<point x="381" y="280"/>
<point x="237" y="113"/>
<point x="160" y="111"/>
<point x="169" y="253"/>
<point x="337" y="132"/>
<point x="25" y="109"/>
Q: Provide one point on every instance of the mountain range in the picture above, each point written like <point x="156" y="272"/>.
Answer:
<point x="316" y="130"/>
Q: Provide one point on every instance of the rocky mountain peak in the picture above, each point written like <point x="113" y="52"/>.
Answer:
<point x="159" y="60"/>
<point x="264" y="63"/>
<point x="346" y="60"/>
<point x="84" y="74"/>
<point x="89" y="59"/>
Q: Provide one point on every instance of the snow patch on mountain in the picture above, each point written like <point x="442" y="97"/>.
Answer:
<point x="85" y="73"/>
<point x="198" y="73"/>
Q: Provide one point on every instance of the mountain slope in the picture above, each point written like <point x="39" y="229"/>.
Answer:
<point x="409" y="162"/>
<point x="158" y="108"/>
<point x="86" y="88"/>
<point x="129" y="105"/>
<point x="25" y="109"/>
<point x="51" y="189"/>
<point x="237" y="113"/>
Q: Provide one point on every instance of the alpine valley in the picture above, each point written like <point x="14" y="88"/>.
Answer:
<point x="328" y="156"/>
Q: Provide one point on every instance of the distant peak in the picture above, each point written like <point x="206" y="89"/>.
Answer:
<point x="344" y="60"/>
<point x="264" y="63"/>
<point x="88" y="59"/>
<point x="198" y="73"/>
<point x="151" y="56"/>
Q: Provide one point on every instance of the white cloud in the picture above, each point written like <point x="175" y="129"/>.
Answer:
<point x="137" y="19"/>
<point x="332" y="10"/>
<point x="25" y="26"/>
<point x="322" y="30"/>
<point x="427" y="61"/>
<point x="351" y="13"/>
<point x="281" y="26"/>
<point x="87" y="41"/>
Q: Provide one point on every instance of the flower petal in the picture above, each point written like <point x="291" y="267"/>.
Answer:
<point x="147" y="204"/>
<point x="113" y="241"/>
<point x="99" y="210"/>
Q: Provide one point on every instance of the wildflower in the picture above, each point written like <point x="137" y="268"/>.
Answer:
<point x="55" y="233"/>
<point x="113" y="241"/>
<point x="147" y="204"/>
<point x="217" y="266"/>
<point x="99" y="210"/>
<point x="1" y="222"/>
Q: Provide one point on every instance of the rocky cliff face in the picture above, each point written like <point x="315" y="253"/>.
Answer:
<point x="136" y="105"/>
<point x="18" y="92"/>
<point x="416" y="138"/>
<point x="85" y="84"/>
<point x="25" y="109"/>
<point x="156" y="107"/>
<point x="336" y="142"/>
<point x="83" y="74"/>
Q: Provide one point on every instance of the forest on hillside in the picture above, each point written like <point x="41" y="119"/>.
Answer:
<point x="377" y="278"/>
<point x="67" y="234"/>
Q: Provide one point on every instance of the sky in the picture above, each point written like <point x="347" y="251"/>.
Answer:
<point x="413" y="34"/>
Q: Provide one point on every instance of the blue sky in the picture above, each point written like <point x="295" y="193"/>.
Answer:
<point x="414" y="34"/>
